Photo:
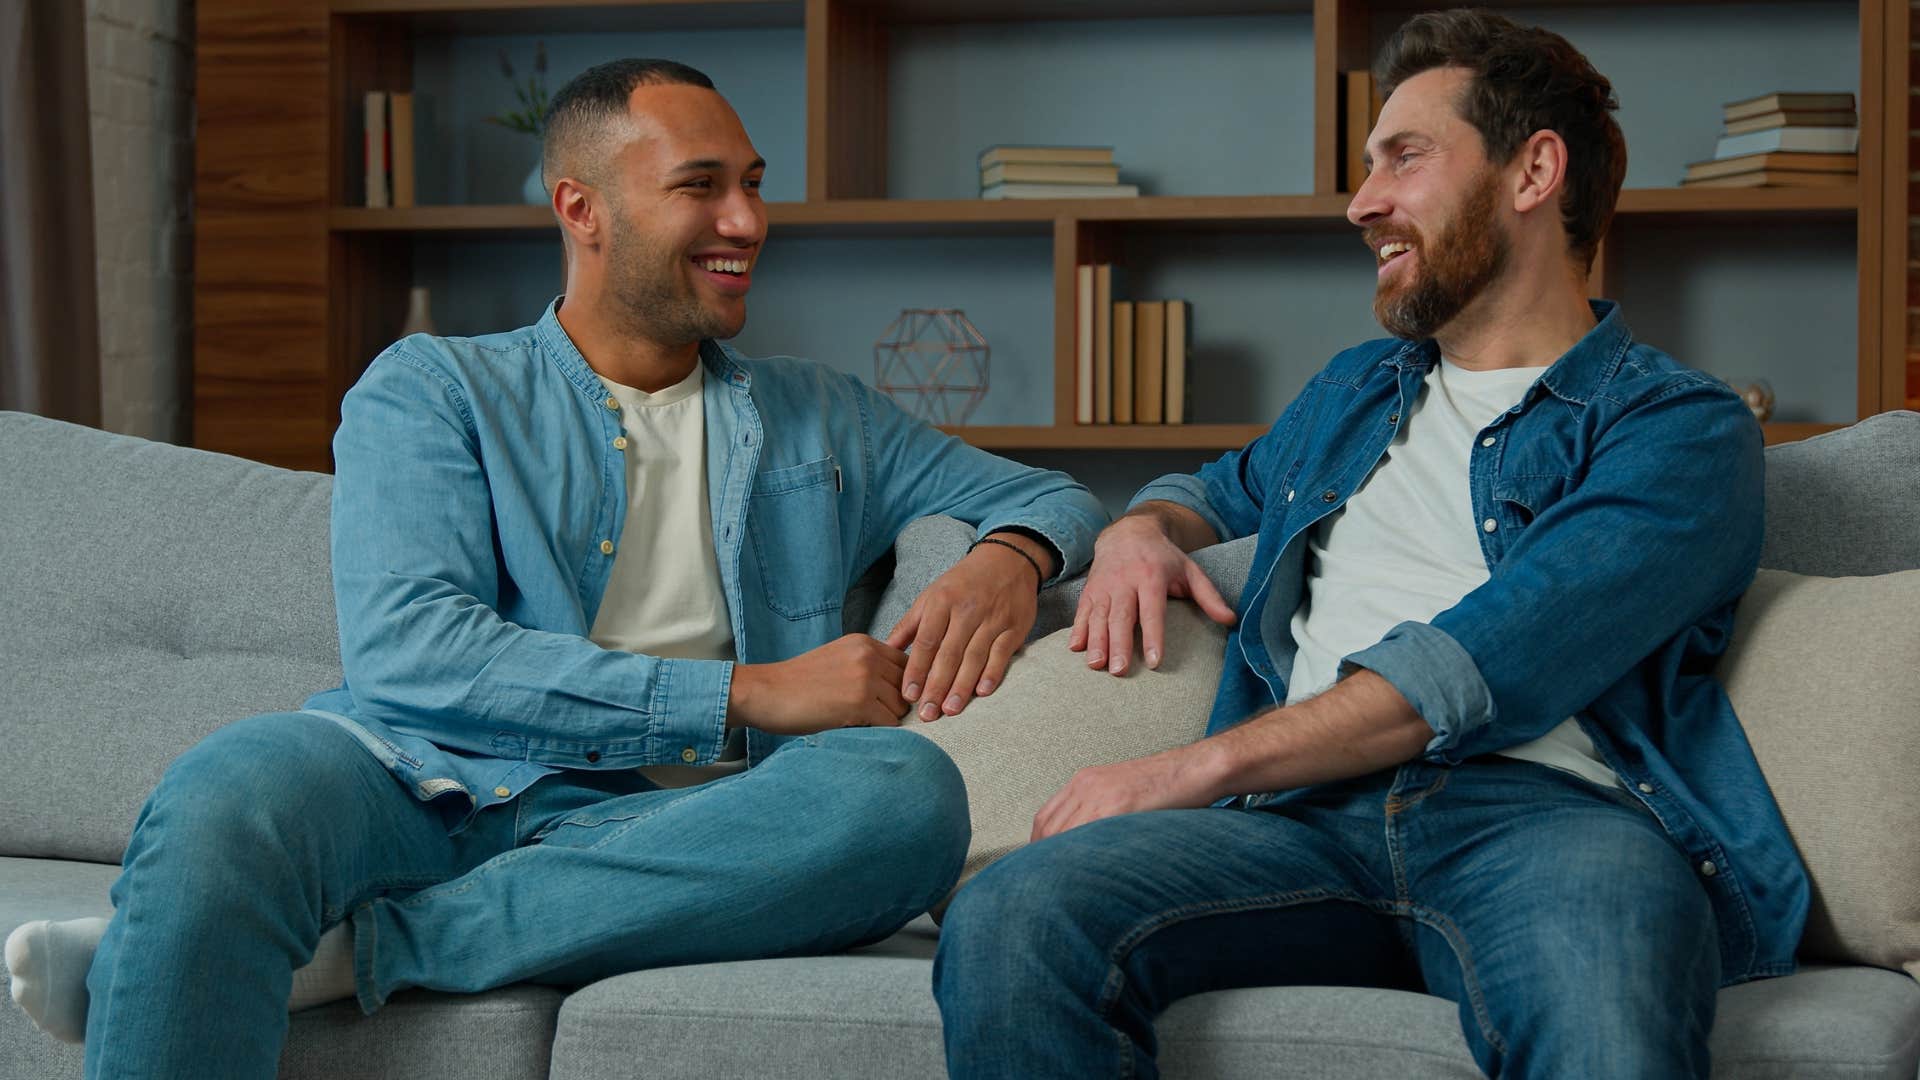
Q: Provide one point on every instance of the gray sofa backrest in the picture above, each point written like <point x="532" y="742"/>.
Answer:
<point x="150" y="594"/>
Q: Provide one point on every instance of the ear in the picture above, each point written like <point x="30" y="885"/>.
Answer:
<point x="1539" y="171"/>
<point x="578" y="210"/>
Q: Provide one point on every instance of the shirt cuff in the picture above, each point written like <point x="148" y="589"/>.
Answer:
<point x="1188" y="491"/>
<point x="689" y="709"/>
<point x="1437" y="677"/>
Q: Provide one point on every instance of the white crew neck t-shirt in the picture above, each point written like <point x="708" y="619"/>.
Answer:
<point x="664" y="596"/>
<point x="1405" y="547"/>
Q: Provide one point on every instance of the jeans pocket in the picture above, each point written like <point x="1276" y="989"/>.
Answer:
<point x="793" y="522"/>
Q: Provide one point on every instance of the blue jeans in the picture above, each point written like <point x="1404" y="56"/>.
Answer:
<point x="276" y="828"/>
<point x="1568" y="928"/>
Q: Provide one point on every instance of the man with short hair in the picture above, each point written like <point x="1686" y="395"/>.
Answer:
<point x="587" y="572"/>
<point x="1471" y="681"/>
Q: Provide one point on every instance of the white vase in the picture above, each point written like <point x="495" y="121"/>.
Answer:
<point x="419" y="317"/>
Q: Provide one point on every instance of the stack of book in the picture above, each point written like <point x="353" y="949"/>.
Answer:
<point x="1130" y="356"/>
<point x="1784" y="140"/>
<point x="1051" y="172"/>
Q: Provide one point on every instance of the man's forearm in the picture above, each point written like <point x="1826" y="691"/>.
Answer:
<point x="1188" y="530"/>
<point x="1360" y="726"/>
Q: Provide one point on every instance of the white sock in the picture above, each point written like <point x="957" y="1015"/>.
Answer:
<point x="329" y="975"/>
<point x="47" y="965"/>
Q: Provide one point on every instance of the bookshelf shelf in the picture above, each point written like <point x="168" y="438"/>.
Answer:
<point x="971" y="216"/>
<point x="296" y="289"/>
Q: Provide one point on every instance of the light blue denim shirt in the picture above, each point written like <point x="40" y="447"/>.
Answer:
<point x="478" y="501"/>
<point x="1621" y="519"/>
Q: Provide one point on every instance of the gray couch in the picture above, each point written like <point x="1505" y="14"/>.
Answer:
<point x="149" y="594"/>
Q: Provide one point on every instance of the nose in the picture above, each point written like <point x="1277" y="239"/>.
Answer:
<point x="1369" y="201"/>
<point x="743" y="217"/>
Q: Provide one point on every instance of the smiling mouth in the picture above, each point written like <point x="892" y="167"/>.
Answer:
<point x="1388" y="252"/>
<point x="729" y="267"/>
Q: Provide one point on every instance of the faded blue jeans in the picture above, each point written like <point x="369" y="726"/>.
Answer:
<point x="276" y="828"/>
<point x="1570" y="931"/>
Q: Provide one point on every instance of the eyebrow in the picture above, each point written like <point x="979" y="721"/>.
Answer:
<point x="709" y="164"/>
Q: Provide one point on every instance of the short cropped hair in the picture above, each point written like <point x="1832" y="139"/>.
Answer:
<point x="584" y="112"/>
<point x="1525" y="79"/>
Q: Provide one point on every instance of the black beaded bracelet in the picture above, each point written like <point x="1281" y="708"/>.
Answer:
<point x="1017" y="550"/>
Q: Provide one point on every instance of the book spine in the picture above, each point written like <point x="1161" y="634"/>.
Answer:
<point x="375" y="114"/>
<point x="1123" y="361"/>
<point x="1179" y="373"/>
<point x="1149" y="361"/>
<point x="1103" y="343"/>
<point x="400" y="134"/>
<point x="1083" y="346"/>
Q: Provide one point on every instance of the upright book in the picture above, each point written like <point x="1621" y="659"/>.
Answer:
<point x="1123" y="325"/>
<point x="400" y="139"/>
<point x="1179" y="373"/>
<point x="1103" y="343"/>
<point x="375" y="115"/>
<point x="1083" y="345"/>
<point x="1149" y="361"/>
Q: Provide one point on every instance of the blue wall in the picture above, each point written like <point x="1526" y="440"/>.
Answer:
<point x="1192" y="106"/>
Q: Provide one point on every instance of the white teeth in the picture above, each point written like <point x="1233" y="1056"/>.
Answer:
<point x="1398" y="247"/>
<point x="731" y="266"/>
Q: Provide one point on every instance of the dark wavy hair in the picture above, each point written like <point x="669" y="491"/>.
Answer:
<point x="1525" y="79"/>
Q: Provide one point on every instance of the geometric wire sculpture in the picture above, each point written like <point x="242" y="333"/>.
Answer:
<point x="933" y="363"/>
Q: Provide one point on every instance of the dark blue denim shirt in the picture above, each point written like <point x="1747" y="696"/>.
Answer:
<point x="1621" y="519"/>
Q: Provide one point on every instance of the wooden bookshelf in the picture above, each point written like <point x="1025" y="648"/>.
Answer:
<point x="296" y="289"/>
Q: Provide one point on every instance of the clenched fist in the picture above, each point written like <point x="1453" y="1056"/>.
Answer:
<point x="850" y="682"/>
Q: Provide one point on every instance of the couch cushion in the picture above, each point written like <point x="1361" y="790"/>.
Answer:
<point x="1825" y="676"/>
<point x="1055" y="716"/>
<point x="1847" y="502"/>
<point x="506" y="1033"/>
<point x="152" y="593"/>
<point x="872" y="1014"/>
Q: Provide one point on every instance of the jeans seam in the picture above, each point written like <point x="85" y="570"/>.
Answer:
<point x="1464" y="954"/>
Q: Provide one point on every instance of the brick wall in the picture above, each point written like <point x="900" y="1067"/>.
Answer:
<point x="140" y="95"/>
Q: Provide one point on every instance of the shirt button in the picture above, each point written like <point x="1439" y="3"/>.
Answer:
<point x="620" y="442"/>
<point x="1646" y="788"/>
<point x="1489" y="525"/>
<point x="1707" y="869"/>
<point x="613" y="402"/>
<point x="1289" y="496"/>
<point x="1329" y="495"/>
<point x="502" y="792"/>
<point x="1393" y="418"/>
<point x="593" y="756"/>
<point x="1488" y="441"/>
<point x="689" y="756"/>
<point x="606" y="546"/>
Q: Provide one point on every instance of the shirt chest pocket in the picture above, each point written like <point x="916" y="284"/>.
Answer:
<point x="793" y="524"/>
<point x="1521" y="499"/>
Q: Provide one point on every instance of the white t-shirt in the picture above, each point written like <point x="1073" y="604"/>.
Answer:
<point x="1405" y="547"/>
<point x="664" y="596"/>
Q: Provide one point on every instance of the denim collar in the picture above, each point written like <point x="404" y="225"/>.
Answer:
<point x="721" y="361"/>
<point x="1579" y="373"/>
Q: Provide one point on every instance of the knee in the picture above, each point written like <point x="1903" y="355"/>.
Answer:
<point x="908" y="791"/>
<point x="250" y="783"/>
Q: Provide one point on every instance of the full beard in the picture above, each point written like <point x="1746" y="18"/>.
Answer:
<point x="1469" y="255"/>
<point x="651" y="284"/>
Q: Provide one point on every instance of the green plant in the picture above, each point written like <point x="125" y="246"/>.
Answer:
<point x="531" y="117"/>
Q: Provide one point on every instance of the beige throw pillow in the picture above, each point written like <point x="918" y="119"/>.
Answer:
<point x="1825" y="676"/>
<point x="1055" y="716"/>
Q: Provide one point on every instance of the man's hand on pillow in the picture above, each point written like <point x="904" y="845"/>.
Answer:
<point x="966" y="626"/>
<point x="1135" y="568"/>
<point x="1181" y="778"/>
<point x="853" y="681"/>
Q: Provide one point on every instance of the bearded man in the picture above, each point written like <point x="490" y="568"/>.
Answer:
<point x="599" y="711"/>
<point x="1467" y="740"/>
